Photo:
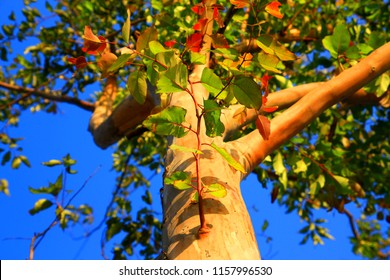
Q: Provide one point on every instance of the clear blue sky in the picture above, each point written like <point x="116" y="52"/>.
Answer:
<point x="52" y="137"/>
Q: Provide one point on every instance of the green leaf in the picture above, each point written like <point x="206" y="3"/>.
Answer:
<point x="136" y="83"/>
<point x="185" y="149"/>
<point x="6" y="158"/>
<point x="271" y="46"/>
<point x="120" y="62"/>
<point x="40" y="205"/>
<point x="25" y="160"/>
<point x="269" y="62"/>
<point x="230" y="160"/>
<point x="16" y="162"/>
<point x="211" y="81"/>
<point x="156" y="47"/>
<point x="52" y="162"/>
<point x="317" y="185"/>
<point x="4" y="187"/>
<point x="300" y="166"/>
<point x="167" y="122"/>
<point x="126" y="28"/>
<point x="265" y="225"/>
<point x="173" y="80"/>
<point x="278" y="164"/>
<point x="149" y="34"/>
<point x="197" y="58"/>
<point x="179" y="180"/>
<point x="53" y="189"/>
<point x="212" y="117"/>
<point x="114" y="226"/>
<point x="337" y="43"/>
<point x="247" y="92"/>
<point x="216" y="190"/>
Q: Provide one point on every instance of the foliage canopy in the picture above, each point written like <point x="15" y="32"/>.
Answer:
<point x="341" y="159"/>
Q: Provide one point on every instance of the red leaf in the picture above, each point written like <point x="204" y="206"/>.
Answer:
<point x="273" y="9"/>
<point x="198" y="9"/>
<point x="170" y="43"/>
<point x="217" y="17"/>
<point x="270" y="109"/>
<point x="264" y="85"/>
<point x="264" y="126"/>
<point x="194" y="42"/>
<point x="80" y="61"/>
<point x="93" y="44"/>
<point x="200" y="24"/>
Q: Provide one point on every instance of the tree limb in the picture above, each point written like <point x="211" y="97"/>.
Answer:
<point x="54" y="96"/>
<point x="310" y="106"/>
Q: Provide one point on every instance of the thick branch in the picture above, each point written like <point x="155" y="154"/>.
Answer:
<point x="309" y="107"/>
<point x="54" y="96"/>
<point x="288" y="97"/>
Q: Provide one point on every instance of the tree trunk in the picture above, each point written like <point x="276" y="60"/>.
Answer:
<point x="231" y="234"/>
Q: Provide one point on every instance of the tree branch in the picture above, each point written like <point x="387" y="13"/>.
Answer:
<point x="310" y="106"/>
<point x="54" y="96"/>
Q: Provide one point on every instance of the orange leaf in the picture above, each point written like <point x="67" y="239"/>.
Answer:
<point x="80" y="61"/>
<point x="194" y="42"/>
<point x="269" y="109"/>
<point x="273" y="9"/>
<point x="93" y="44"/>
<point x="239" y="3"/>
<point x="264" y="126"/>
<point x="170" y="43"/>
<point x="105" y="61"/>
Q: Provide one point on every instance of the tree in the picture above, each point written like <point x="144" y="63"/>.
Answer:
<point x="296" y="93"/>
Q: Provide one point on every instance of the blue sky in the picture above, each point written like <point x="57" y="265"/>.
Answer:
<point x="48" y="137"/>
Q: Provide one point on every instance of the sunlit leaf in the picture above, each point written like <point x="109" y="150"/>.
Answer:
<point x="136" y="83"/>
<point x="240" y="3"/>
<point x="120" y="62"/>
<point x="40" y="205"/>
<point x="273" y="9"/>
<point x="156" y="47"/>
<point x="185" y="149"/>
<point x="126" y="28"/>
<point x="93" y="44"/>
<point x="216" y="190"/>
<point x="338" y="42"/>
<point x="179" y="180"/>
<point x="173" y="80"/>
<point x="52" y="162"/>
<point x="149" y="34"/>
<point x="211" y="81"/>
<point x="53" y="188"/>
<point x="269" y="62"/>
<point x="271" y="46"/>
<point x="167" y="122"/>
<point x="106" y="61"/>
<point x="229" y="159"/>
